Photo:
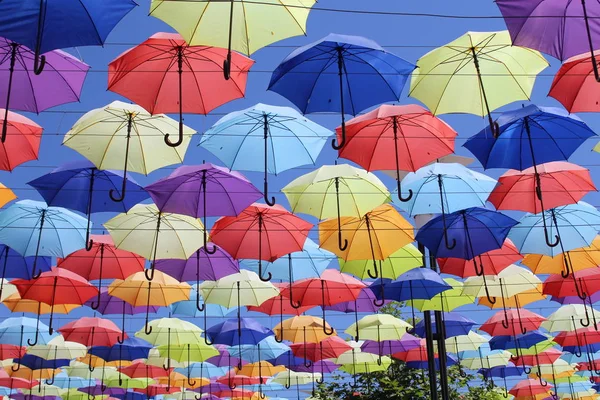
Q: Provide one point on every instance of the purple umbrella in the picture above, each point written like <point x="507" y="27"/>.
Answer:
<point x="215" y="265"/>
<point x="554" y="26"/>
<point x="212" y="387"/>
<point x="387" y="347"/>
<point x="100" y="390"/>
<point x="365" y="302"/>
<point x="23" y="90"/>
<point x="185" y="191"/>
<point x="321" y="366"/>
<point x="224" y="359"/>
<point x="111" y="305"/>
<point x="23" y="396"/>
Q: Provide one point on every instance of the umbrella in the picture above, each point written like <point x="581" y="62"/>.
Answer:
<point x="574" y="83"/>
<point x="24" y="144"/>
<point x="302" y="328"/>
<point x="20" y="266"/>
<point x="332" y="347"/>
<point x="447" y="300"/>
<point x="155" y="235"/>
<point x="230" y="192"/>
<point x="399" y="262"/>
<point x="475" y="74"/>
<point x="16" y="304"/>
<point x="383" y="228"/>
<point x="189" y="308"/>
<point x="332" y="74"/>
<point x="333" y="287"/>
<point x="164" y="74"/>
<point x="91" y="332"/>
<point x="284" y="136"/>
<point x="569" y="317"/>
<point x="80" y="186"/>
<point x="23" y="230"/>
<point x="261" y="232"/>
<point x="250" y="27"/>
<point x="417" y="138"/>
<point x="67" y="288"/>
<point x="58" y="348"/>
<point x="581" y="258"/>
<point x="455" y="325"/>
<point x="59" y="25"/>
<point x="266" y="349"/>
<point x="103" y="136"/>
<point x="25" y="91"/>
<point x="418" y="283"/>
<point x="336" y="190"/>
<point x="138" y="291"/>
<point x="20" y="330"/>
<point x="379" y="327"/>
<point x="529" y="388"/>
<point x="505" y="324"/>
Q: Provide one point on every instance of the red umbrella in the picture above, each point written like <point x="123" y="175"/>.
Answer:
<point x="580" y="337"/>
<point x="235" y="393"/>
<point x="585" y="283"/>
<point x="279" y="305"/>
<point x="91" y="331"/>
<point x="545" y="357"/>
<point x="414" y="354"/>
<point x="331" y="347"/>
<point x="10" y="351"/>
<point x="139" y="369"/>
<point x="166" y="75"/>
<point x="512" y="322"/>
<point x="261" y="232"/>
<point x="400" y="138"/>
<point x="24" y="144"/>
<point x="15" y="383"/>
<point x="331" y="288"/>
<point x="574" y="85"/>
<point x="495" y="261"/>
<point x="233" y="380"/>
<point x="102" y="261"/>
<point x="562" y="182"/>
<point x="530" y="388"/>
<point x="57" y="286"/>
<point x="153" y="390"/>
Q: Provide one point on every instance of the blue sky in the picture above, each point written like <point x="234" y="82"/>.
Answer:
<point x="407" y="36"/>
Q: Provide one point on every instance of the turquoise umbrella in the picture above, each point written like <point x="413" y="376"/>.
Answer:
<point x="266" y="349"/>
<point x="308" y="263"/>
<point x="204" y="370"/>
<point x="32" y="228"/>
<point x="284" y="137"/>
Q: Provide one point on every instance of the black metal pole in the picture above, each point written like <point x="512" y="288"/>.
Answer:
<point x="441" y="341"/>
<point x="429" y="343"/>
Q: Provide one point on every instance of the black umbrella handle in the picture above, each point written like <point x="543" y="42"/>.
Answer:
<point x="494" y="127"/>
<point x="207" y="249"/>
<point x="449" y="245"/>
<point x="342" y="243"/>
<point x="270" y="202"/>
<point x="39" y="61"/>
<point x="341" y="70"/>
<point x="260" y="270"/>
<point x="180" y="80"/>
<point x="124" y="183"/>
<point x="88" y="242"/>
<point x="13" y="59"/>
<point x="398" y="180"/>
<point x="148" y="327"/>
<point x="590" y="41"/>
<point x="227" y="61"/>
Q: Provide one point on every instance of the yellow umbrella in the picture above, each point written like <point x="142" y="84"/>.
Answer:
<point x="244" y="26"/>
<point x="95" y="361"/>
<point x="162" y="291"/>
<point x="445" y="301"/>
<point x="6" y="195"/>
<point x="469" y="342"/>
<point x="375" y="236"/>
<point x="58" y="348"/>
<point x="582" y="258"/>
<point x="302" y="329"/>
<point x="379" y="327"/>
<point x="16" y="304"/>
<point x="475" y="74"/>
<point x="242" y="289"/>
<point x="405" y="259"/>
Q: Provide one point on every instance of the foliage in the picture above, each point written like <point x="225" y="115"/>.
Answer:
<point x="400" y="382"/>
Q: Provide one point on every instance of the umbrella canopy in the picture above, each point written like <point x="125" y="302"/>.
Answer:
<point x="570" y="317"/>
<point x="476" y="73"/>
<point x="91" y="332"/>
<point x="418" y="283"/>
<point x="332" y="74"/>
<point x="447" y="300"/>
<point x="155" y="235"/>
<point x="494" y="261"/>
<point x="20" y="330"/>
<point x="261" y="232"/>
<point x="379" y="327"/>
<point x="24" y="144"/>
<point x="302" y="329"/>
<point x="508" y="323"/>
<point x="285" y="137"/>
<point x="402" y="260"/>
<point x="236" y="290"/>
<point x="573" y="84"/>
<point x="103" y="136"/>
<point x="530" y="388"/>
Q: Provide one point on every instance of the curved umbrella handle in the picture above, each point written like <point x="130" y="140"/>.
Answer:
<point x="179" y="138"/>
<point x="149" y="272"/>
<point x="342" y="142"/>
<point x="462" y="372"/>
<point x="35" y="339"/>
<point x="547" y="234"/>
<point x="260" y="273"/>
<point x="587" y="321"/>
<point x="377" y="272"/>
<point x="590" y="42"/>
<point x="342" y="243"/>
<point x="403" y="199"/>
<point x="227" y="66"/>
<point x="50" y="381"/>
<point x="39" y="62"/>
<point x="111" y="193"/>
<point x="505" y="393"/>
<point x="376" y="301"/>
<point x="209" y="250"/>
<point x="199" y="307"/>
<point x="340" y="63"/>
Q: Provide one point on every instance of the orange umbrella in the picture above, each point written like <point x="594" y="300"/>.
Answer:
<point x="303" y="328"/>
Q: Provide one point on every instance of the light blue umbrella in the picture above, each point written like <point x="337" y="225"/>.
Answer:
<point x="203" y="370"/>
<point x="308" y="263"/>
<point x="455" y="184"/>
<point x="576" y="225"/>
<point x="64" y="381"/>
<point x="580" y="358"/>
<point x="284" y="137"/>
<point x="188" y="307"/>
<point x="32" y="228"/>
<point x="582" y="387"/>
<point x="266" y="349"/>
<point x="23" y="331"/>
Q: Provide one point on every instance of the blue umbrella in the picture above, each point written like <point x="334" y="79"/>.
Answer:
<point x="80" y="186"/>
<point x="501" y="372"/>
<point x="308" y="263"/>
<point x="130" y="396"/>
<point x="288" y="359"/>
<point x="64" y="381"/>
<point x="340" y="73"/>
<point x="418" y="283"/>
<point x="266" y="349"/>
<point x="204" y="370"/>
<point x="131" y="349"/>
<point x="424" y="364"/>
<point x="32" y="228"/>
<point x="525" y="341"/>
<point x="48" y="25"/>
<point x="20" y="267"/>
<point x="21" y="330"/>
<point x="284" y="137"/>
<point x="454" y="323"/>
<point x="34" y="362"/>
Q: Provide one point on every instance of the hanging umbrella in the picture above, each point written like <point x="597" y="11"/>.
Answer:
<point x="261" y="232"/>
<point x="476" y="74"/>
<point x="70" y="24"/>
<point x="574" y="83"/>
<point x="58" y="348"/>
<point x="102" y="261"/>
<point x="308" y="263"/>
<point x="333" y="287"/>
<point x="80" y="186"/>
<point x="331" y="75"/>
<point x="164" y="74"/>
<point x="155" y="235"/>
<point x="91" y="332"/>
<point x="251" y="26"/>
<point x="416" y="136"/>
<point x="266" y="349"/>
<point x="454" y="325"/>
<point x="103" y="136"/>
<point x="16" y="304"/>
<point x="302" y="329"/>
<point x="23" y="230"/>
<point x="585" y="283"/>
<point x="580" y="259"/>
<point x="447" y="300"/>
<point x="494" y="260"/>
<point x="379" y="328"/>
<point x="189" y="308"/>
<point x="569" y="317"/>
<point x="419" y="283"/>
<point x="24" y="144"/>
<point x="336" y="190"/>
<point x="236" y="290"/>
<point x="519" y="300"/>
<point x="21" y="330"/>
<point x="138" y="291"/>
<point x="530" y="388"/>
<point x="285" y="138"/>
<point x="66" y="288"/>
<point x="332" y="347"/>
<point x="512" y="323"/>
<point x="383" y="228"/>
<point x="401" y="261"/>
<point x="23" y="90"/>
<point x="387" y="347"/>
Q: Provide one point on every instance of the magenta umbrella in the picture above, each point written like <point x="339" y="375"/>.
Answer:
<point x="21" y="89"/>
<point x="202" y="191"/>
